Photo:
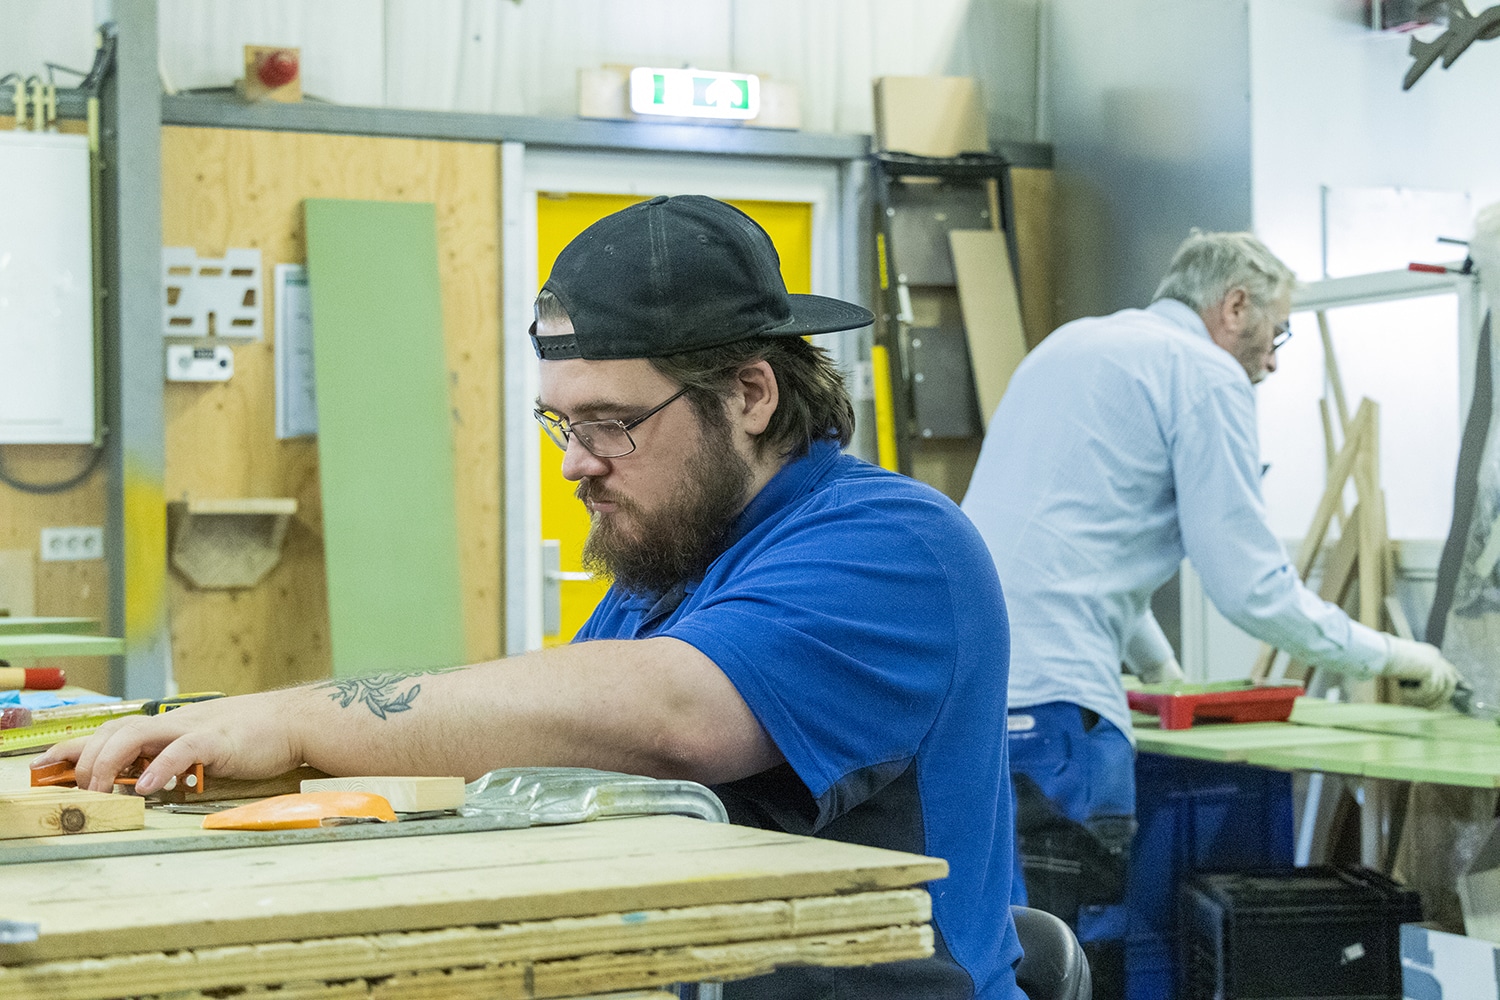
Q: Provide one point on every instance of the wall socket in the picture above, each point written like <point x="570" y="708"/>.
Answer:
<point x="59" y="544"/>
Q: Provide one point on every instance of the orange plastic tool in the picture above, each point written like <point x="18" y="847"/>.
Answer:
<point x="62" y="774"/>
<point x="300" y="810"/>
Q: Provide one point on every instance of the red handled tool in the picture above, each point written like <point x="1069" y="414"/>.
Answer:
<point x="36" y="678"/>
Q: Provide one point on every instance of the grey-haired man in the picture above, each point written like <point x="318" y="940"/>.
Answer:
<point x="1123" y="444"/>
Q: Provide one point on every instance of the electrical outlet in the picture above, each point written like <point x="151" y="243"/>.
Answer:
<point x="60" y="544"/>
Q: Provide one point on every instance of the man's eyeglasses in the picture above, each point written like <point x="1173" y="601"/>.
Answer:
<point x="1280" y="334"/>
<point x="602" y="438"/>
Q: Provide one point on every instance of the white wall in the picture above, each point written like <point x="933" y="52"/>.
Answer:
<point x="522" y="57"/>
<point x="1328" y="111"/>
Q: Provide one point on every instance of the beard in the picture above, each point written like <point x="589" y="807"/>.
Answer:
<point x="677" y="540"/>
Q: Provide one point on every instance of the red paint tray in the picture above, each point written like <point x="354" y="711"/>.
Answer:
<point x="1180" y="705"/>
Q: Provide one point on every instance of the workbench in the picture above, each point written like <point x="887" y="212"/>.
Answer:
<point x="554" y="911"/>
<point x="1370" y="744"/>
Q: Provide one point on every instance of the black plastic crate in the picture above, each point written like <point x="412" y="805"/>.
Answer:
<point x="1321" y="932"/>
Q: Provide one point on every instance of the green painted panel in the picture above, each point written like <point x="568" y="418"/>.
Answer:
<point x="1235" y="742"/>
<point x="1447" y="728"/>
<point x="1395" y="757"/>
<point x="31" y="646"/>
<point x="51" y="626"/>
<point x="1352" y="715"/>
<point x="385" y="441"/>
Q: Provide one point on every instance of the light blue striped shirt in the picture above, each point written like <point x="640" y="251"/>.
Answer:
<point x="1123" y="443"/>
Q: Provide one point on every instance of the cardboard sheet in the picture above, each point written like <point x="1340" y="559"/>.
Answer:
<point x="992" y="312"/>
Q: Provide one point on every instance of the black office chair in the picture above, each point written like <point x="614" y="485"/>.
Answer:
<point x="1054" y="967"/>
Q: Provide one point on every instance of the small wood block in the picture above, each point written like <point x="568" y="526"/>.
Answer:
<point x="404" y="794"/>
<point x="52" y="812"/>
<point x="223" y="789"/>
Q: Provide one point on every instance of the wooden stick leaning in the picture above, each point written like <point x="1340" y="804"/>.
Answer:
<point x="1338" y="474"/>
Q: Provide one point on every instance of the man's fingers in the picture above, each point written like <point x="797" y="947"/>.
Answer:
<point x="88" y="756"/>
<point x="175" y="758"/>
<point x="115" y="746"/>
<point x="65" y="751"/>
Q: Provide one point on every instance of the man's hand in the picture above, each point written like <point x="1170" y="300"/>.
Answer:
<point x="1421" y="662"/>
<point x="1168" y="671"/>
<point x="244" y="737"/>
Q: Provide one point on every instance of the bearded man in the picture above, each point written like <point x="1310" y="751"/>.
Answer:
<point x="820" y="641"/>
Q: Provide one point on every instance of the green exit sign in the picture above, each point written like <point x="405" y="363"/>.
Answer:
<point x="694" y="93"/>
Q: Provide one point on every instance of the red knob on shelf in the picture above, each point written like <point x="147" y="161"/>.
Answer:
<point x="276" y="69"/>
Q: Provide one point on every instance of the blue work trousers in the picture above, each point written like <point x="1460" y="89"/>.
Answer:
<point x="1073" y="778"/>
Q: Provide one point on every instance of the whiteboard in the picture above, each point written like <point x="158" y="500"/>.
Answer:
<point x="46" y="290"/>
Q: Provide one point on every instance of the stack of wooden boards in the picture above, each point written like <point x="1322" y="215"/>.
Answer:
<point x="556" y="911"/>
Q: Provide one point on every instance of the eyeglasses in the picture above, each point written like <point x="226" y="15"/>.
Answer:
<point x="602" y="438"/>
<point x="1280" y="334"/>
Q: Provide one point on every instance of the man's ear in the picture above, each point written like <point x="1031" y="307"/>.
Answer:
<point x="1236" y="307"/>
<point x="1226" y="320"/>
<point x="757" y="397"/>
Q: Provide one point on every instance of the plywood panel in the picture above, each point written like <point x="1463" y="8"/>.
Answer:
<point x="163" y="902"/>
<point x="1031" y="191"/>
<point x="61" y="588"/>
<point x="230" y="188"/>
<point x="372" y="956"/>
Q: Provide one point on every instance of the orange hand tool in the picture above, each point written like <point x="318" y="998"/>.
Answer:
<point x="62" y="774"/>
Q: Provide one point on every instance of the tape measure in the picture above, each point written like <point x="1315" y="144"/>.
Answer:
<point x="80" y="720"/>
<point x="40" y="735"/>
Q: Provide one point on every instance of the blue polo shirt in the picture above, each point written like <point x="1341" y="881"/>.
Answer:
<point x="859" y="615"/>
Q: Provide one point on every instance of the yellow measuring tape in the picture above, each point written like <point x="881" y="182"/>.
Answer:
<point x="42" y="734"/>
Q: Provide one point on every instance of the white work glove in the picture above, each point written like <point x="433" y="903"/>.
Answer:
<point x="1166" y="672"/>
<point x="1420" y="662"/>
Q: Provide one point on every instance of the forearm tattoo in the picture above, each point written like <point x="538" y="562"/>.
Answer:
<point x="380" y="693"/>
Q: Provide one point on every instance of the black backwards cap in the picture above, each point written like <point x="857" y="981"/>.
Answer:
<point x="678" y="274"/>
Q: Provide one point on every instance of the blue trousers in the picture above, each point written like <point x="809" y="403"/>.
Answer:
<point x="1073" y="778"/>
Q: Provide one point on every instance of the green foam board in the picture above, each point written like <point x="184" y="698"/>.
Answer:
<point x="1235" y="742"/>
<point x="385" y="441"/>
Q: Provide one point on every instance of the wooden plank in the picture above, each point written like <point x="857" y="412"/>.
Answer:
<point x="991" y="312"/>
<point x="246" y="895"/>
<point x="385" y="446"/>
<point x="1333" y="491"/>
<point x="1331" y="367"/>
<point x="1338" y="576"/>
<point x="55" y="812"/>
<point x="525" y="981"/>
<point x="370" y="956"/>
<point x="403" y="793"/>
<point x="1372" y="537"/>
<point x="224" y="789"/>
<point x="1032" y="193"/>
<point x="244" y="188"/>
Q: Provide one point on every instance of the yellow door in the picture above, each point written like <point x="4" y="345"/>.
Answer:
<point x="565" y="523"/>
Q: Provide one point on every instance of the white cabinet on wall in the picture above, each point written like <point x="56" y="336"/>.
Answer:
<point x="46" y="290"/>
